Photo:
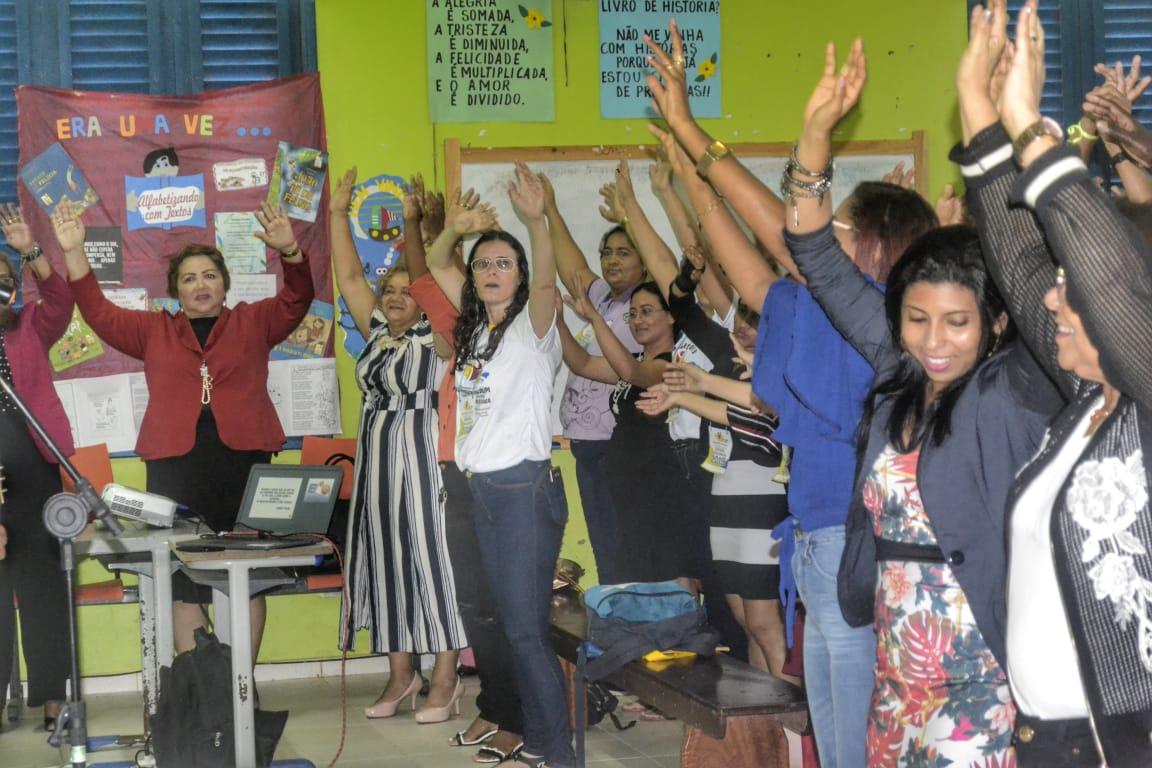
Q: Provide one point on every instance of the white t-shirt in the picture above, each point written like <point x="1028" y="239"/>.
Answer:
<point x="504" y="407"/>
<point x="682" y="423"/>
<point x="1042" y="664"/>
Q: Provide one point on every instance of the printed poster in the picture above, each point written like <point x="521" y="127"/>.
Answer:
<point x="104" y="249"/>
<point x="490" y="60"/>
<point x="164" y="201"/>
<point x="244" y="253"/>
<point x="624" y="67"/>
<point x="310" y="339"/>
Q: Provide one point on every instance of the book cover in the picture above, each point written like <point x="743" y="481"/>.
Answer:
<point x="297" y="180"/>
<point x="53" y="178"/>
<point x="310" y="339"/>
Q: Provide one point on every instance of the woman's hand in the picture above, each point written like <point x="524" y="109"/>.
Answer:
<point x="612" y="208"/>
<point x="624" y="182"/>
<point x="837" y="92"/>
<point x="413" y="199"/>
<point x="341" y="199"/>
<point x="68" y="226"/>
<point x="16" y="230"/>
<point x="987" y="38"/>
<point x="432" y="215"/>
<point x="1130" y="136"/>
<point x="900" y="177"/>
<point x="527" y="194"/>
<point x="684" y="377"/>
<point x="669" y="85"/>
<point x="656" y="400"/>
<point x="549" y="193"/>
<point x="660" y="174"/>
<point x="467" y="215"/>
<point x="277" y="232"/>
<point x="1130" y="83"/>
<point x="3" y="542"/>
<point x="678" y="159"/>
<point x="579" y="302"/>
<point x="949" y="207"/>
<point x="1020" y="104"/>
<point x="743" y="357"/>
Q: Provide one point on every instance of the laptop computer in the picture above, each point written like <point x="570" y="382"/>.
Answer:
<point x="284" y="505"/>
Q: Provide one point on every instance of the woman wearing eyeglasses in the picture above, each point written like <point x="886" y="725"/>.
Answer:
<point x="508" y="354"/>
<point x="640" y="462"/>
<point x="31" y="570"/>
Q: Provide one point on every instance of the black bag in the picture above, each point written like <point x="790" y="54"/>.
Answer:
<point x="603" y="703"/>
<point x="192" y="727"/>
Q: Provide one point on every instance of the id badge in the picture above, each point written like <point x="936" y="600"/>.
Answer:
<point x="719" y="450"/>
<point x="783" y="472"/>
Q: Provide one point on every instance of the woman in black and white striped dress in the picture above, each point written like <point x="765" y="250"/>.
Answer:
<point x="400" y="582"/>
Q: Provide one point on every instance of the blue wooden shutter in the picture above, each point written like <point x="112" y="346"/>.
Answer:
<point x="9" y="76"/>
<point x="247" y="41"/>
<point x="113" y="45"/>
<point x="1127" y="31"/>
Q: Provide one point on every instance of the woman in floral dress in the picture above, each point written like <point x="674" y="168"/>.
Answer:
<point x="956" y="409"/>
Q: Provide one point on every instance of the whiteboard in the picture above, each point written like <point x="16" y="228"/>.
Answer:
<point x="577" y="173"/>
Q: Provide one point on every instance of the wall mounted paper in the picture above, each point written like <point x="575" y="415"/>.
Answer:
<point x="236" y="238"/>
<point x="104" y="249"/>
<point x="240" y="174"/>
<point x="298" y="180"/>
<point x="164" y="201"/>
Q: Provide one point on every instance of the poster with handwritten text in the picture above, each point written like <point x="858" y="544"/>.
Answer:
<point x="623" y="54"/>
<point x="490" y="60"/>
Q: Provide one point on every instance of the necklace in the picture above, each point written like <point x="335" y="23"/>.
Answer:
<point x="1099" y="415"/>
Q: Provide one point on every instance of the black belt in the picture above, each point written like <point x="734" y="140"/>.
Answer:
<point x="886" y="549"/>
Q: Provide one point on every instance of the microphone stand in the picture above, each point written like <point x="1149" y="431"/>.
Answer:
<point x="65" y="517"/>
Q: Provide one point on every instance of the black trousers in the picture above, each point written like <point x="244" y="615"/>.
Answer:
<point x="499" y="699"/>
<point x="31" y="572"/>
<point x="1054" y="743"/>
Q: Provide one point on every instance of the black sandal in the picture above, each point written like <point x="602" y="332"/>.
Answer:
<point x="459" y="741"/>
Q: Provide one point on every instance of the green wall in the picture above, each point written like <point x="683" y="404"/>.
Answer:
<point x="371" y="55"/>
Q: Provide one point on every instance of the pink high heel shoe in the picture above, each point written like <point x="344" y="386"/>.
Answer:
<point x="384" y="708"/>
<point x="427" y="715"/>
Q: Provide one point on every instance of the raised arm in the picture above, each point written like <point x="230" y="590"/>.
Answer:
<point x="56" y="300"/>
<point x="466" y="215"/>
<point x="657" y="257"/>
<point x="750" y="274"/>
<point x="578" y="359"/>
<point x="281" y="314"/>
<point x="570" y="260"/>
<point x="1109" y="277"/>
<point x="640" y="373"/>
<point x="659" y="399"/>
<point x="358" y="295"/>
<point x="1109" y="105"/>
<point x="527" y="195"/>
<point x="685" y="377"/>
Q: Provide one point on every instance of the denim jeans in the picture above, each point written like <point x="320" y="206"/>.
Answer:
<point x="520" y="518"/>
<point x="839" y="660"/>
<point x="599" y="511"/>
<point x="498" y="700"/>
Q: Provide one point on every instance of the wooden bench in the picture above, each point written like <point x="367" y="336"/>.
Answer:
<point x="734" y="715"/>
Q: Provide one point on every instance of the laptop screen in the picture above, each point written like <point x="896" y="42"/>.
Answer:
<point x="289" y="498"/>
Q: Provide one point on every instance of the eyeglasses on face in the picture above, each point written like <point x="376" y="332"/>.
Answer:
<point x="620" y="253"/>
<point x="644" y="312"/>
<point x="482" y="264"/>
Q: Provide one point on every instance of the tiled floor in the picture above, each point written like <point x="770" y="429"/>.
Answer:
<point x="313" y="732"/>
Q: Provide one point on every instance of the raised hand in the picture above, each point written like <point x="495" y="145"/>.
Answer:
<point x="624" y="181"/>
<point x="950" y="208"/>
<point x="579" y="302"/>
<point x="549" y="192"/>
<point x="1020" y="103"/>
<point x="838" y="91"/>
<point x="277" y="232"/>
<point x="68" y="226"/>
<point x="900" y="177"/>
<point x="669" y="85"/>
<point x="1130" y="83"/>
<point x="413" y="199"/>
<point x="467" y="215"/>
<point x="341" y="198"/>
<point x="527" y="194"/>
<point x="660" y="174"/>
<point x="1107" y="102"/>
<point x="678" y="159"/>
<point x="16" y="230"/>
<point x="1130" y="136"/>
<point x="656" y="400"/>
<point x="987" y="39"/>
<point x="432" y="219"/>
<point x="612" y="207"/>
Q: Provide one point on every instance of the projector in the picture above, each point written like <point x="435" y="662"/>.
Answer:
<point x="131" y="504"/>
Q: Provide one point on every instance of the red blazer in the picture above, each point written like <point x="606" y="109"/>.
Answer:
<point x="26" y="343"/>
<point x="236" y="353"/>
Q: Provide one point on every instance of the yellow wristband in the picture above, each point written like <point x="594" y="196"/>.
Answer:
<point x="1076" y="134"/>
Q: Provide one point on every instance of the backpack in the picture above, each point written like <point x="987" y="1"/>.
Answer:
<point x="192" y="727"/>
<point x="626" y="621"/>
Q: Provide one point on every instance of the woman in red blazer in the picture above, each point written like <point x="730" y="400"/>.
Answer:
<point x="209" y="417"/>
<point x="31" y="571"/>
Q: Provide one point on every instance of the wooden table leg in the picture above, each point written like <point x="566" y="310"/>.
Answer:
<point x="750" y="742"/>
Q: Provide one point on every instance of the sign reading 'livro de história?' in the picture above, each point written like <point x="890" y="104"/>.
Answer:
<point x="490" y="60"/>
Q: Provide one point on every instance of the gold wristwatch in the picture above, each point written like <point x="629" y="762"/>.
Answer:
<point x="716" y="151"/>
<point x="1045" y="126"/>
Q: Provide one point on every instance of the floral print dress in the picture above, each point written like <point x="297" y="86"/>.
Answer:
<point x="941" y="699"/>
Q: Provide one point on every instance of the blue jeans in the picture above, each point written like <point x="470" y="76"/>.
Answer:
<point x="839" y="660"/>
<point x="599" y="511"/>
<point x="520" y="518"/>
